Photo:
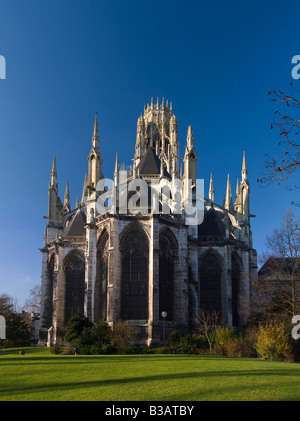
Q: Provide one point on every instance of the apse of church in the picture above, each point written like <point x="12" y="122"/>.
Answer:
<point x="135" y="265"/>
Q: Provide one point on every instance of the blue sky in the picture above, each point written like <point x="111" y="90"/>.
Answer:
<point x="66" y="60"/>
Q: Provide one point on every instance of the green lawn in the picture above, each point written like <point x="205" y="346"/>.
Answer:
<point x="38" y="375"/>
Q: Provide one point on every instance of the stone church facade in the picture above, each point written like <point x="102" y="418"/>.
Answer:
<point x="117" y="256"/>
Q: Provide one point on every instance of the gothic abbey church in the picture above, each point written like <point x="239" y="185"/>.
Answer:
<point x="109" y="264"/>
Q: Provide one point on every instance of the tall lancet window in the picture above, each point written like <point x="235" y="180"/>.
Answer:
<point x="74" y="293"/>
<point x="167" y="256"/>
<point x="235" y="285"/>
<point x="100" y="304"/>
<point x="210" y="283"/>
<point x="134" y="276"/>
<point x="48" y="303"/>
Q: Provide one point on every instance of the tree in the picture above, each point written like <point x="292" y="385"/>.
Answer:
<point x="100" y="333"/>
<point x="273" y="342"/>
<point x="122" y="334"/>
<point x="33" y="302"/>
<point x="6" y="305"/>
<point x="278" y="285"/>
<point x="283" y="166"/>
<point x="17" y="333"/>
<point x="206" y="324"/>
<point x="76" y="326"/>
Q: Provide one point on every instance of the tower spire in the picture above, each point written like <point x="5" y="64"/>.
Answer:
<point x="117" y="164"/>
<point x="84" y="192"/>
<point x="55" y="205"/>
<point x="95" y="139"/>
<point x="116" y="173"/>
<point x="190" y="138"/>
<point x="67" y="198"/>
<point x="211" y="193"/>
<point x="244" y="168"/>
<point x="228" y="198"/>
<point x="53" y="172"/>
<point x="237" y="192"/>
<point x="95" y="161"/>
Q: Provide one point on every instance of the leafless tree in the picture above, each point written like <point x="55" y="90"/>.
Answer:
<point x="281" y="167"/>
<point x="280" y="275"/>
<point x="33" y="302"/>
<point x="206" y="324"/>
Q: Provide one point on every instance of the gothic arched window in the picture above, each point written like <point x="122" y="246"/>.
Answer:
<point x="74" y="295"/>
<point x="166" y="275"/>
<point x="100" y="304"/>
<point x="134" y="276"/>
<point x="235" y="285"/>
<point x="210" y="283"/>
<point x="48" y="303"/>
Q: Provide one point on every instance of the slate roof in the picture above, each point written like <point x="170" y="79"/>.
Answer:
<point x="213" y="224"/>
<point x="280" y="264"/>
<point x="150" y="164"/>
<point x="76" y="227"/>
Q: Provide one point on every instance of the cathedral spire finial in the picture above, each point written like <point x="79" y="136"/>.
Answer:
<point x="96" y="133"/>
<point x="67" y="195"/>
<point x="244" y="168"/>
<point x="228" y="198"/>
<point x="84" y="190"/>
<point x="237" y="192"/>
<point x="53" y="172"/>
<point x="95" y="139"/>
<point x="190" y="138"/>
<point x="95" y="160"/>
<point x="117" y="164"/>
<point x="211" y="193"/>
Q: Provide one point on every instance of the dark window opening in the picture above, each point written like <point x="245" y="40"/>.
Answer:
<point x="135" y="277"/>
<point x="74" y="273"/>
<point x="166" y="277"/>
<point x="210" y="284"/>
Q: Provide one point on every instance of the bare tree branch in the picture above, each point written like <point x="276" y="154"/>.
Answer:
<point x="279" y="278"/>
<point x="281" y="167"/>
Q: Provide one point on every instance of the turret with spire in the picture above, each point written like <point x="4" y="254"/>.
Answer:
<point x="211" y="192"/>
<point x="157" y="129"/>
<point x="190" y="138"/>
<point x="95" y="161"/>
<point x="228" y="198"/>
<point x="53" y="172"/>
<point x="244" y="169"/>
<point x="67" y="207"/>
<point x="244" y="189"/>
<point x="55" y="205"/>
<point x="190" y="164"/>
<point x="84" y="190"/>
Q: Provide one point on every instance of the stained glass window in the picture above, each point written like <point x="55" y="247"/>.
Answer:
<point x="135" y="276"/>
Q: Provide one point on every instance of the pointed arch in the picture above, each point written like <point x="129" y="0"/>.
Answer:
<point x="100" y="296"/>
<point x="210" y="275"/>
<point x="132" y="227"/>
<point x="168" y="248"/>
<point x="134" y="248"/>
<point x="74" y="270"/>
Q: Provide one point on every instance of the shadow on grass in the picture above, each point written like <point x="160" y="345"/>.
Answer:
<point x="267" y="374"/>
